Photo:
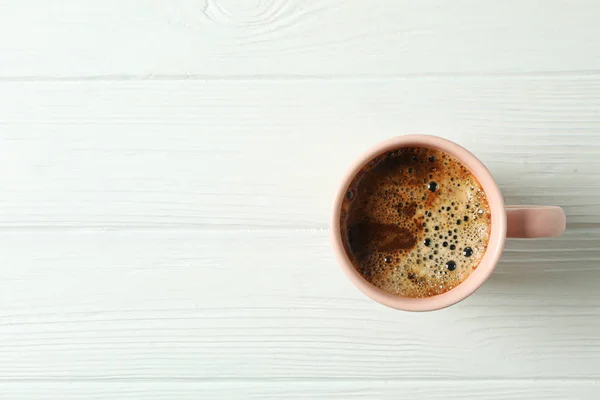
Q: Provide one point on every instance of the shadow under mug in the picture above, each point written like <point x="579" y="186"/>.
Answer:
<point x="509" y="221"/>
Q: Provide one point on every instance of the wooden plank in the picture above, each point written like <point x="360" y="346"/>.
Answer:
<point x="238" y="305"/>
<point x="269" y="154"/>
<point x="225" y="38"/>
<point x="484" y="390"/>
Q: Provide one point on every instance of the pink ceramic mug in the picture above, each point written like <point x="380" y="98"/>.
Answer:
<point x="509" y="221"/>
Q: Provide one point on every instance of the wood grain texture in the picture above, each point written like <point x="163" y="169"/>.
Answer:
<point x="267" y="305"/>
<point x="269" y="154"/>
<point x="327" y="38"/>
<point x="383" y="390"/>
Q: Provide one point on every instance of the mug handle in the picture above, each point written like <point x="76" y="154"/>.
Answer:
<point x="535" y="221"/>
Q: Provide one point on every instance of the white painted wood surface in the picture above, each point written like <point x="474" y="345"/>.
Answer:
<point x="167" y="171"/>
<point x="329" y="38"/>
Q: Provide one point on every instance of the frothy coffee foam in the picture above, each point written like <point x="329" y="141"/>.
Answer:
<point x="415" y="222"/>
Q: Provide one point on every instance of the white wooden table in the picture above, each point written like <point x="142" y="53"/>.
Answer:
<point x="166" y="174"/>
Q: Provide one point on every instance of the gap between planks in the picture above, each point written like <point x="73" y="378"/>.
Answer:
<point x="300" y="379"/>
<point x="297" y="77"/>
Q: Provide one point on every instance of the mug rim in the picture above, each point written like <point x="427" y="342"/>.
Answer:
<point x="497" y="230"/>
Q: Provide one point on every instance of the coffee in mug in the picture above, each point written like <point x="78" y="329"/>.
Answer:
<point x="419" y="223"/>
<point x="415" y="222"/>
